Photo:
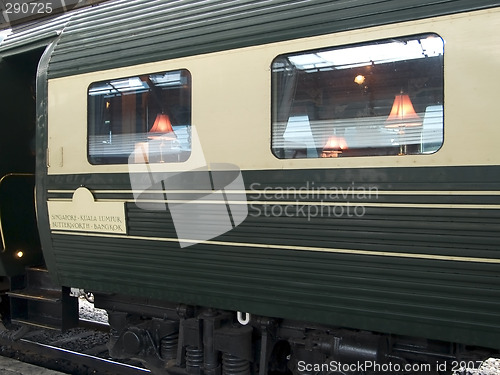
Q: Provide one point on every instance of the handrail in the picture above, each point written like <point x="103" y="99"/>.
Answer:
<point x="14" y="174"/>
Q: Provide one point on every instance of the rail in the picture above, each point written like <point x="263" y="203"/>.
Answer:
<point x="2" y="179"/>
<point x="84" y="352"/>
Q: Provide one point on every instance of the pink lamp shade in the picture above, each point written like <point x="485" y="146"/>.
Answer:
<point x="162" y="128"/>
<point x="333" y="147"/>
<point x="402" y="113"/>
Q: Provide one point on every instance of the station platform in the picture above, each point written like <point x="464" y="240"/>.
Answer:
<point x="9" y="366"/>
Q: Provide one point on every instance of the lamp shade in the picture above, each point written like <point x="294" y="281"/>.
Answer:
<point x="333" y="147"/>
<point x="335" y="143"/>
<point x="162" y="128"/>
<point x="402" y="113"/>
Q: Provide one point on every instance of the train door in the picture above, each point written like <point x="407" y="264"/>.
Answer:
<point x="19" y="245"/>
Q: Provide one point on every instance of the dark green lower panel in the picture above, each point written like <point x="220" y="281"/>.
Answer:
<point x="435" y="299"/>
<point x="418" y="264"/>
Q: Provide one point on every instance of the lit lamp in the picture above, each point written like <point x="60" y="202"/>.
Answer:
<point x="162" y="130"/>
<point x="402" y="116"/>
<point x="359" y="79"/>
<point x="333" y="147"/>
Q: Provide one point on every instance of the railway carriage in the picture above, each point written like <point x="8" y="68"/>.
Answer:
<point x="264" y="186"/>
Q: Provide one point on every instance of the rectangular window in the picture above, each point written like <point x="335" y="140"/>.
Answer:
<point x="150" y="113"/>
<point x="377" y="98"/>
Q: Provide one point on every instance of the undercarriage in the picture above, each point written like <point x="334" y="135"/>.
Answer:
<point x="181" y="339"/>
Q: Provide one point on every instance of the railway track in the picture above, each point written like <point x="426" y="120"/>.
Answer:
<point x="79" y="351"/>
<point x="88" y="356"/>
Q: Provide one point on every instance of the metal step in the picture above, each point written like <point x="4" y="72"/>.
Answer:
<point x="37" y="301"/>
<point x="38" y="277"/>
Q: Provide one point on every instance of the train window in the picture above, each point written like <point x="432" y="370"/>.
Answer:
<point x="150" y="113"/>
<point x="378" y="98"/>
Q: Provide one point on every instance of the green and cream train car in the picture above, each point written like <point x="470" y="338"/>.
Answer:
<point x="271" y="186"/>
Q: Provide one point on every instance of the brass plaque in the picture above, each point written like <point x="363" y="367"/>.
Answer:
<point x="84" y="214"/>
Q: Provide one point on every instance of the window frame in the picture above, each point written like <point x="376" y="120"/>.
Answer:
<point x="275" y="94"/>
<point x="123" y="160"/>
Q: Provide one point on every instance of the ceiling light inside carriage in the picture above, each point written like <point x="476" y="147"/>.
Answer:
<point x="118" y="87"/>
<point x="359" y="79"/>
<point x="343" y="58"/>
<point x="135" y="85"/>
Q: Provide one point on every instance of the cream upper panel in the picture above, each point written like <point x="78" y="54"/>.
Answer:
<point x="231" y="102"/>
